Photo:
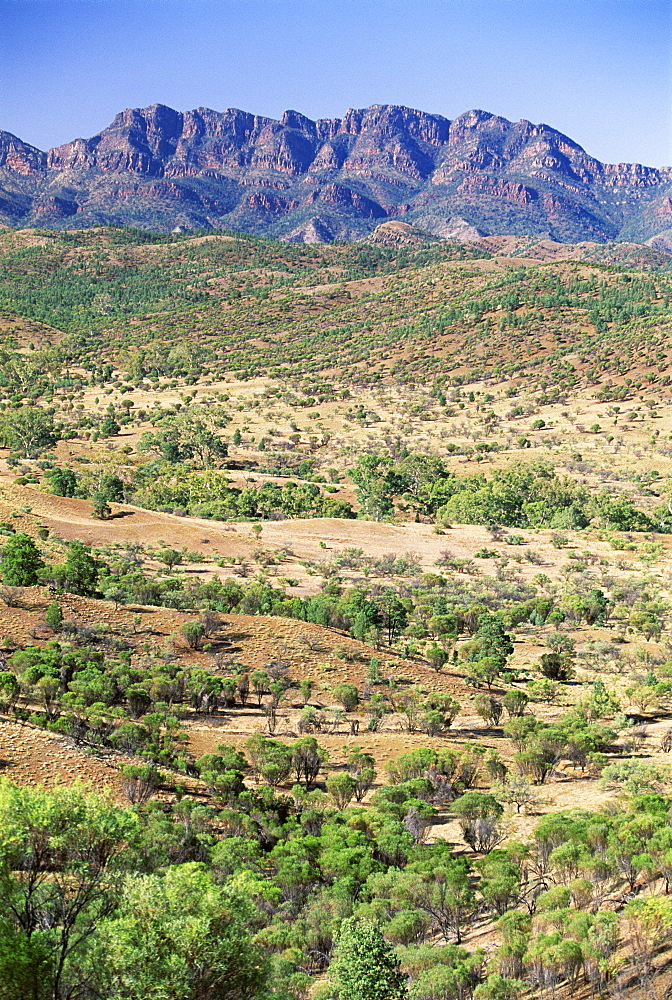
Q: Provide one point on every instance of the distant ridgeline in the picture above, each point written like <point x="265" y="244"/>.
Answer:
<point x="315" y="181"/>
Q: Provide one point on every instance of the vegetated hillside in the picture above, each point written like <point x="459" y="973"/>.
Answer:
<point x="252" y="706"/>
<point x="443" y="312"/>
<point x="313" y="181"/>
<point x="346" y="570"/>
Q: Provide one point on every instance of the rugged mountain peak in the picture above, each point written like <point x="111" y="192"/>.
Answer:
<point x="332" y="178"/>
<point x="393" y="117"/>
<point x="294" y="119"/>
<point x="18" y="156"/>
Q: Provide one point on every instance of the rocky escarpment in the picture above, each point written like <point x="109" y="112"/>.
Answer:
<point x="332" y="178"/>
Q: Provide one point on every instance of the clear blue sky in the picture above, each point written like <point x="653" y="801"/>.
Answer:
<point x="598" y="70"/>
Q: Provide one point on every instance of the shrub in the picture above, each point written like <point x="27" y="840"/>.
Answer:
<point x="53" y="616"/>
<point x="341" y="786"/>
<point x="21" y="562"/>
<point x="140" y="782"/>
<point x="556" y="667"/>
<point x="478" y="814"/>
<point x="347" y="695"/>
<point x="193" y="632"/>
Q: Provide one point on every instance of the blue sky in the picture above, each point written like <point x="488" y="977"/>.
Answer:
<point x="598" y="70"/>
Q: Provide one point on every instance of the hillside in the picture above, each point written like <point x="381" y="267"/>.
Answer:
<point x="175" y="305"/>
<point x="344" y="572"/>
<point x="315" y="181"/>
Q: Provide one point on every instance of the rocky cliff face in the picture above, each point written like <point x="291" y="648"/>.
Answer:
<point x="331" y="178"/>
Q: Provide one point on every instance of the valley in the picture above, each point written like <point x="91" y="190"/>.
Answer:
<point x="345" y="570"/>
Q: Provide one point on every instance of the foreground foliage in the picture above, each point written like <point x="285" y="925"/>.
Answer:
<point x="254" y="894"/>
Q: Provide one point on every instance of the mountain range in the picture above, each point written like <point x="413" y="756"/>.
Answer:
<point x="337" y="178"/>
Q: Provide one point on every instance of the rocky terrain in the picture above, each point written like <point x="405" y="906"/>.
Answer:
<point x="315" y="181"/>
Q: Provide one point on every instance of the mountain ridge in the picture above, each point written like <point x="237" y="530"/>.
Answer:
<point x="160" y="169"/>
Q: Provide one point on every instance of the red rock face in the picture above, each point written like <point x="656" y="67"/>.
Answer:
<point x="19" y="157"/>
<point x="498" y="176"/>
<point x="55" y="208"/>
<point x="518" y="194"/>
<point x="270" y="204"/>
<point x="391" y="119"/>
<point x="343" y="197"/>
<point x="630" y="175"/>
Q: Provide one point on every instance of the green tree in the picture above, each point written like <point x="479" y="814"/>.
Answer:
<point x="493" y="639"/>
<point x="515" y="702"/>
<point x="444" y="705"/>
<point x="182" y="437"/>
<point x="28" y="430"/>
<point x="58" y="852"/>
<point x="647" y="623"/>
<point x="193" y="632"/>
<point x="170" y="558"/>
<point x="140" y="782"/>
<point x="496" y="987"/>
<point x="21" y="562"/>
<point x="362" y="768"/>
<point x="485" y="670"/>
<point x="556" y="666"/>
<point x="9" y="690"/>
<point x="53" y="616"/>
<point x="501" y="879"/>
<point x="347" y="695"/>
<point x="437" y="657"/>
<point x="394" y="614"/>
<point x="100" y="507"/>
<point x="561" y="643"/>
<point x="341" y="786"/>
<point x="479" y="818"/>
<point x="647" y="923"/>
<point x="112" y="487"/>
<point x="269" y="758"/>
<point x="79" y="573"/>
<point x="179" y="935"/>
<point x="364" y="966"/>
<point x="63" y="482"/>
<point x="260" y="681"/>
<point x="517" y="790"/>
<point x="540" y="756"/>
<point x="520" y="728"/>
<point x="109" y="426"/>
<point x="307" y="759"/>
<point x="440" y="888"/>
<point x="376" y="482"/>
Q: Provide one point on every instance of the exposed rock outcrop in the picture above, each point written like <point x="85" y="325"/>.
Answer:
<point x="338" y="177"/>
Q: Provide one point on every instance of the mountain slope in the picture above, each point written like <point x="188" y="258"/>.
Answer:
<point x="311" y="181"/>
<point x="177" y="304"/>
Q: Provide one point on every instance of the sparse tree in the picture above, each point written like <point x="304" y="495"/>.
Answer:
<point x="347" y="695"/>
<point x="21" y="562"/>
<point x="170" y="558"/>
<point x="341" y="786"/>
<point x="193" y="632"/>
<point x="53" y="616"/>
<point x="100" y="508"/>
<point x="28" y="430"/>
